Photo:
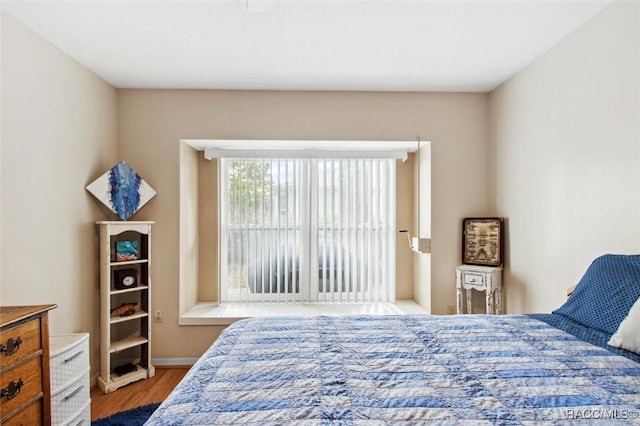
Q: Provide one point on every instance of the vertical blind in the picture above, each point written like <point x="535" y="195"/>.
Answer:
<point x="307" y="230"/>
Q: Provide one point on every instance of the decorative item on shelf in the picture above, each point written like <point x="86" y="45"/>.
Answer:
<point x="122" y="190"/>
<point x="123" y="369"/>
<point x="126" y="250"/>
<point x="482" y="241"/>
<point x="125" y="278"/>
<point x="125" y="309"/>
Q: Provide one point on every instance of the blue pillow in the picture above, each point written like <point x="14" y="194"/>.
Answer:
<point x="606" y="292"/>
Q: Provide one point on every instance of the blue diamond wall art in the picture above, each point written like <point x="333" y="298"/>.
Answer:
<point x="122" y="190"/>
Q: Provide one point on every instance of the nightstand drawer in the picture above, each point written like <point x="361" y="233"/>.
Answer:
<point x="474" y="280"/>
<point x="19" y="342"/>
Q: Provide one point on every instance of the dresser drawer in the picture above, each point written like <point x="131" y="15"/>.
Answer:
<point x="28" y="378"/>
<point x="69" y="359"/>
<point x="66" y="404"/>
<point x="32" y="415"/>
<point x="473" y="280"/>
<point x="19" y="342"/>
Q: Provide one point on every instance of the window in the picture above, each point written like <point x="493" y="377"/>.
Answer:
<point x="312" y="230"/>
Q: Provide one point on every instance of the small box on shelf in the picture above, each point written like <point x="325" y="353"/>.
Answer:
<point x="127" y="250"/>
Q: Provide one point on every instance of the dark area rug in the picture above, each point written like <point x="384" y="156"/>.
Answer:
<point x="133" y="417"/>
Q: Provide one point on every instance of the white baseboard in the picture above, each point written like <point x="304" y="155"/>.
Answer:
<point x="168" y="362"/>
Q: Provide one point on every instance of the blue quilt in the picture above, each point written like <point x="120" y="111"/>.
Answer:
<point x="371" y="370"/>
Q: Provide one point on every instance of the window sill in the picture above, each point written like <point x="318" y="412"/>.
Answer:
<point x="228" y="313"/>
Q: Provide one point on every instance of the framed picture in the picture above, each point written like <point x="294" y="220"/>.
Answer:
<point x="482" y="241"/>
<point x="126" y="250"/>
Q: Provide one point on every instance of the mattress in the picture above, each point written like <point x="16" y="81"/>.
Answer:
<point x="370" y="370"/>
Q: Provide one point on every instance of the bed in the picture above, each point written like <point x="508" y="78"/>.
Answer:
<point x="460" y="369"/>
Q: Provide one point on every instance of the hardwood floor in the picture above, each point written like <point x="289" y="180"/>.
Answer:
<point x="136" y="394"/>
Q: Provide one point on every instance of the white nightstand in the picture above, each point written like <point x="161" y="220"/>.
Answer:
<point x="481" y="278"/>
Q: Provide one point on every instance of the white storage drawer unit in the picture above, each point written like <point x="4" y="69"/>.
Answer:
<point x="70" y="392"/>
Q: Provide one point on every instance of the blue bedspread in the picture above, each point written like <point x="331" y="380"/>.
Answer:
<point x="369" y="370"/>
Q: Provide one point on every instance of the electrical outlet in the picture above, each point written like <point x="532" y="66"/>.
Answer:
<point x="451" y="310"/>
<point x="157" y="317"/>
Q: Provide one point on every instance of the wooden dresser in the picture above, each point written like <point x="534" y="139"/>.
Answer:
<point x="25" y="397"/>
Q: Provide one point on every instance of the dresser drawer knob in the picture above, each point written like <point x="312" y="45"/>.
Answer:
<point x="12" y="390"/>
<point x="11" y="346"/>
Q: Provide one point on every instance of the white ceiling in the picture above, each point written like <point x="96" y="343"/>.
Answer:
<point x="398" y="45"/>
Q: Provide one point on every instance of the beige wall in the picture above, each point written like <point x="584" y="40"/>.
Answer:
<point x="58" y="134"/>
<point x="566" y="152"/>
<point x="208" y="260"/>
<point x="189" y="236"/>
<point x="152" y="122"/>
